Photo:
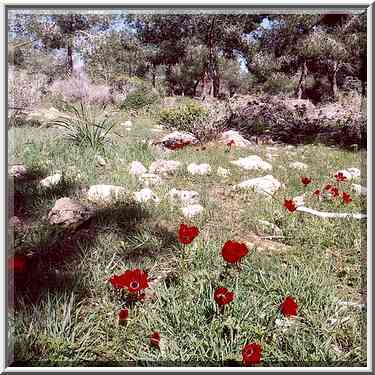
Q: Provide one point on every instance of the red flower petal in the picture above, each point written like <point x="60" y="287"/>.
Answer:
<point x="340" y="176"/>
<point x="251" y="354"/>
<point x="346" y="198"/>
<point x="305" y="180"/>
<point x="290" y="205"/>
<point x="187" y="234"/>
<point x="233" y="251"/>
<point x="328" y="187"/>
<point x="135" y="280"/>
<point x="316" y="192"/>
<point x="289" y="307"/>
<point x="334" y="191"/>
<point x="223" y="296"/>
<point x="123" y="315"/>
<point x="155" y="339"/>
<point x="17" y="263"/>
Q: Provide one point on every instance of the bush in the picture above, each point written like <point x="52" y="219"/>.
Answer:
<point x="183" y="117"/>
<point x="139" y="99"/>
<point x="80" y="89"/>
<point x="85" y="126"/>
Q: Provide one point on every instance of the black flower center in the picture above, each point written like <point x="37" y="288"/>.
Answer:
<point x="134" y="284"/>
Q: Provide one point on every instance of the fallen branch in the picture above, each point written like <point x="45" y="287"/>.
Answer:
<point x="333" y="215"/>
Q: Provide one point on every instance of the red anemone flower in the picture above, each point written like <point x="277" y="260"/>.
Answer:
<point x="17" y="263"/>
<point x="223" y="296"/>
<point x="231" y="143"/>
<point x="155" y="339"/>
<point x="290" y="205"/>
<point x="135" y="280"/>
<point x="187" y="234"/>
<point x="328" y="187"/>
<point x="251" y="354"/>
<point x="305" y="180"/>
<point x="340" y="176"/>
<point x="334" y="191"/>
<point x="233" y="251"/>
<point x="316" y="192"/>
<point x="289" y="307"/>
<point x="346" y="198"/>
<point x="123" y="315"/>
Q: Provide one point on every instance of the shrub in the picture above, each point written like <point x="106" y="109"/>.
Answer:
<point x="183" y="117"/>
<point x="85" y="126"/>
<point x="80" y="89"/>
<point x="139" y="99"/>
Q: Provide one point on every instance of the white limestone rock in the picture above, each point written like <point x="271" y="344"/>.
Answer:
<point x="164" y="167"/>
<point x="222" y="172"/>
<point x="252" y="162"/>
<point x="192" y="210"/>
<point x="200" y="169"/>
<point x="236" y="137"/>
<point x="146" y="195"/>
<point x="105" y="193"/>
<point x="360" y="190"/>
<point x="264" y="185"/>
<point x="179" y="136"/>
<point x="186" y="197"/>
<point x="51" y="180"/>
<point x="136" y="168"/>
<point x="150" y="179"/>
<point x="18" y="171"/>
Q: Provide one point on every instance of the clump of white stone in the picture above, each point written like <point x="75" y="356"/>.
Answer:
<point x="200" y="169"/>
<point x="51" y="180"/>
<point x="146" y="195"/>
<point x="187" y="197"/>
<point x="252" y="162"/>
<point x="164" y="166"/>
<point x="127" y="124"/>
<point x="266" y="185"/>
<point x="105" y="193"/>
<point x="17" y="171"/>
<point x="136" y="168"/>
<point x="234" y="136"/>
<point x="192" y="210"/>
<point x="361" y="190"/>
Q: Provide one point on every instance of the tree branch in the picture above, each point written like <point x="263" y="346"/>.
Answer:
<point x="331" y="215"/>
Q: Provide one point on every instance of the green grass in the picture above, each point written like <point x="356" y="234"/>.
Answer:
<point x="73" y="319"/>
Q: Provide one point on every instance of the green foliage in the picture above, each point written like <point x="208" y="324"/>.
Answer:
<point x="279" y="83"/>
<point x="85" y="127"/>
<point x="139" y="99"/>
<point x="183" y="117"/>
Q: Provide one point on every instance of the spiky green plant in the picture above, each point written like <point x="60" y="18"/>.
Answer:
<point x="86" y="126"/>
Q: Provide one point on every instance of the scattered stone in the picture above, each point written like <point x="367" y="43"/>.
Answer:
<point x="223" y="172"/>
<point x="264" y="185"/>
<point x="355" y="172"/>
<point x="298" y="165"/>
<point x="146" y="195"/>
<point x="361" y="190"/>
<point x="201" y="169"/>
<point x="106" y="193"/>
<point x="150" y="179"/>
<point x="233" y="135"/>
<point x="184" y="196"/>
<point x="299" y="200"/>
<point x="137" y="168"/>
<point x="165" y="167"/>
<point x="178" y="136"/>
<point x="51" y="180"/>
<point x="252" y="162"/>
<point x="274" y="229"/>
<point x="192" y="210"/>
<point x="352" y="304"/>
<point x="100" y="160"/>
<point x="18" y="171"/>
<point x="69" y="213"/>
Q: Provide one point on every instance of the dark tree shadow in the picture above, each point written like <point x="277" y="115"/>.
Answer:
<point x="55" y="248"/>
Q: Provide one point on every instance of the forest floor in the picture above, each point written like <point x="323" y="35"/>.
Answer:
<point x="67" y="314"/>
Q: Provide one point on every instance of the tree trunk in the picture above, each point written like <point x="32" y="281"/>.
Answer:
<point x="302" y="81"/>
<point x="333" y="80"/>
<point x="205" y="90"/>
<point x="153" y="75"/>
<point x="70" y="58"/>
<point x="195" y="87"/>
<point x="213" y="72"/>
